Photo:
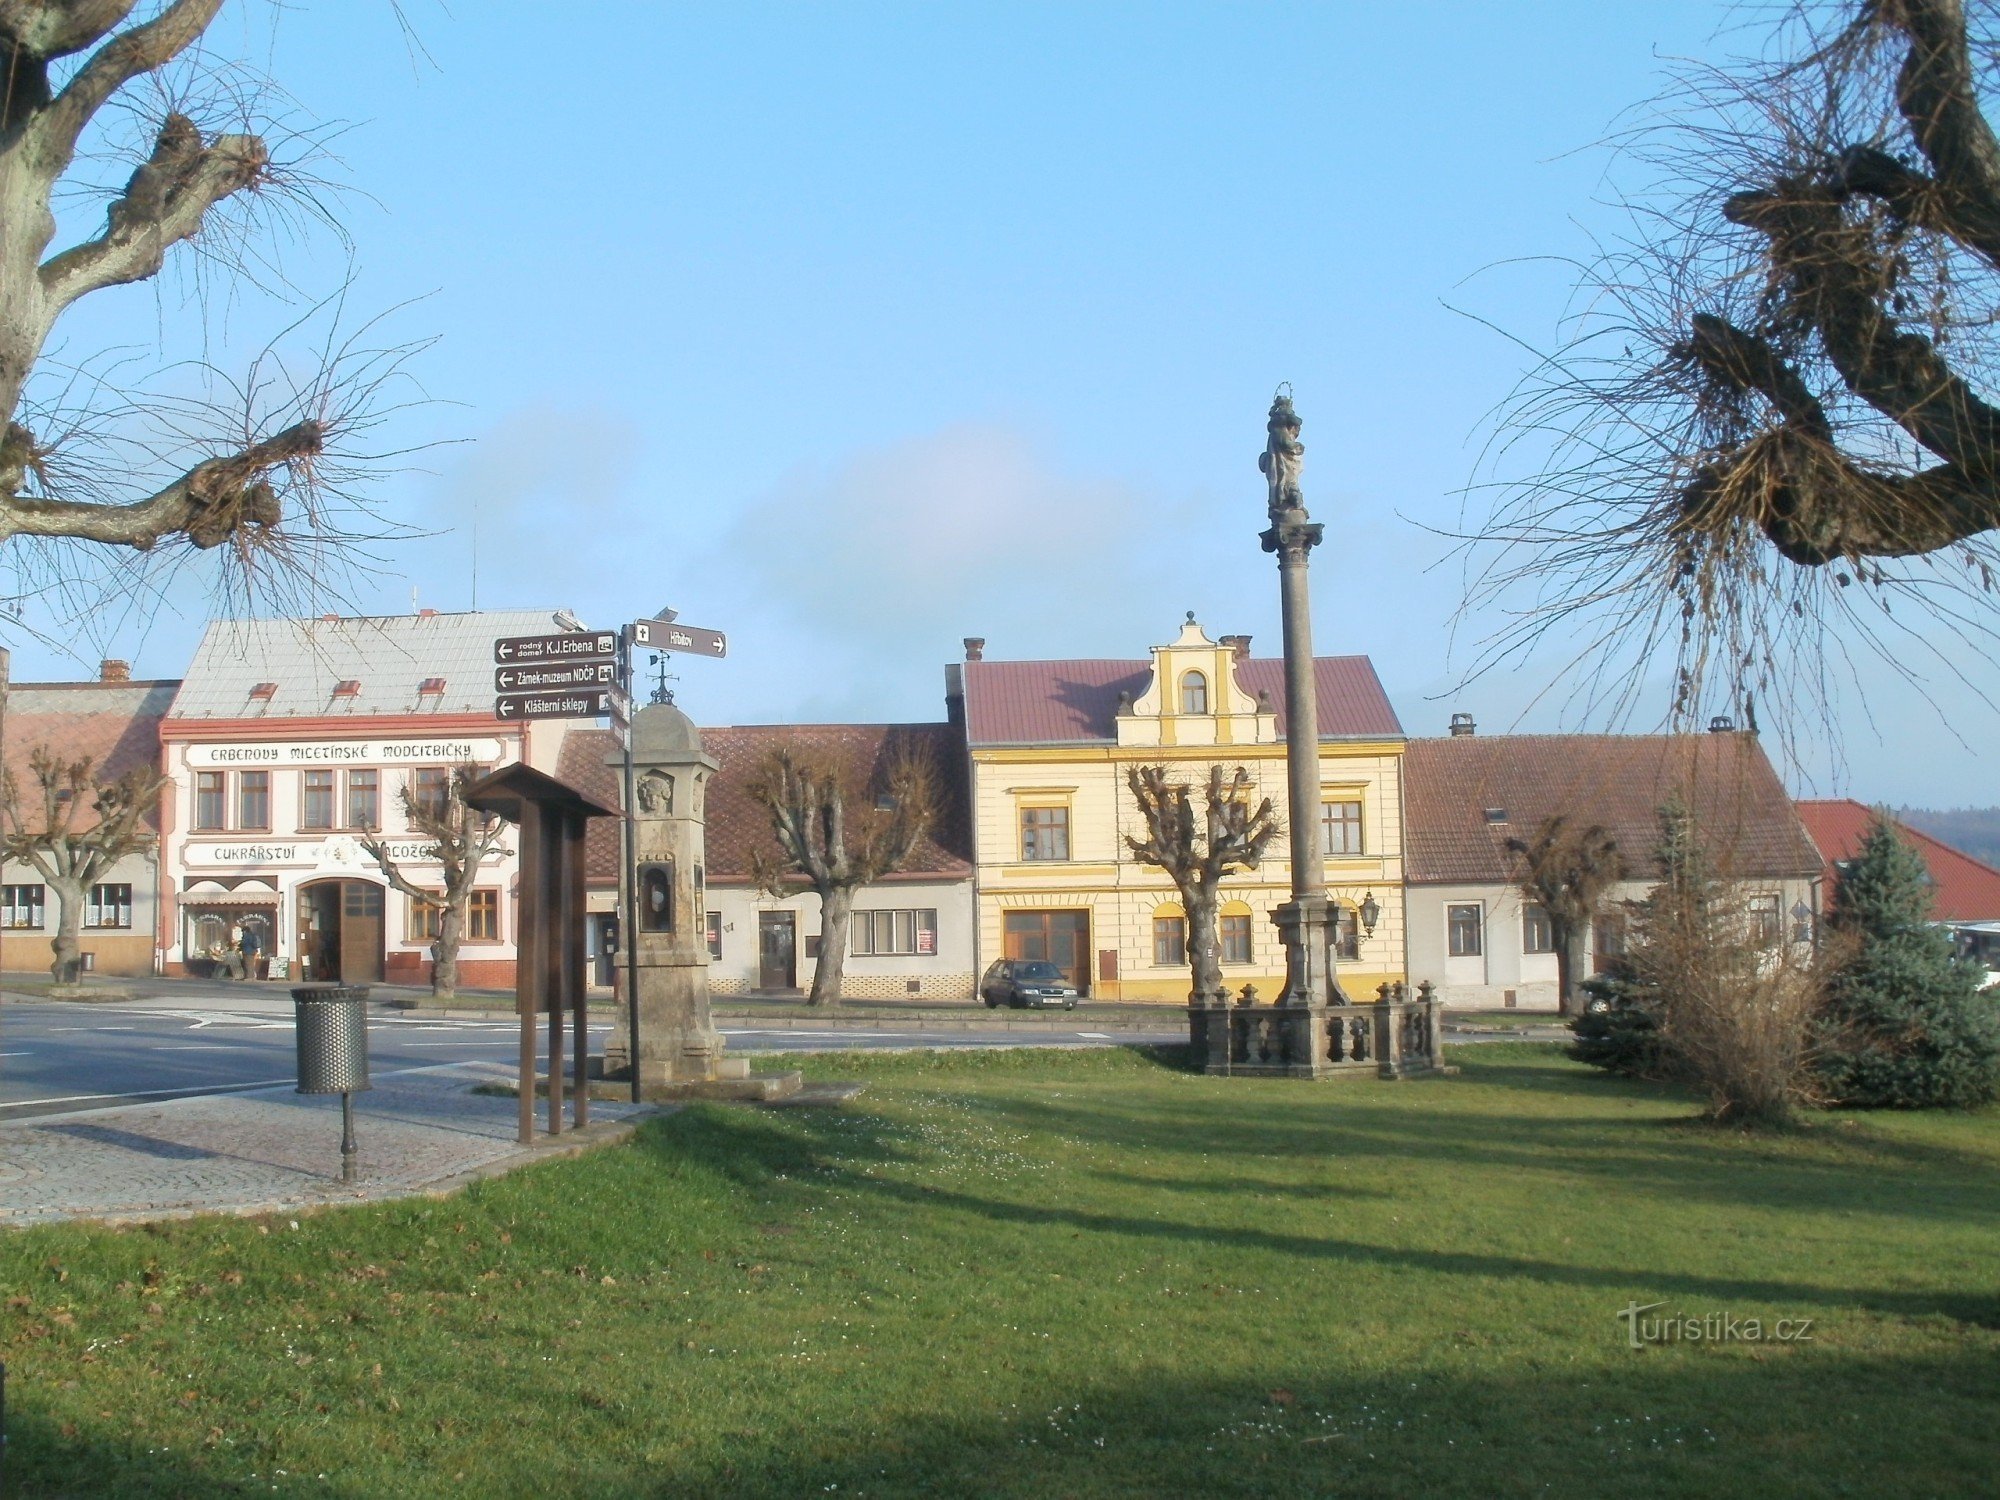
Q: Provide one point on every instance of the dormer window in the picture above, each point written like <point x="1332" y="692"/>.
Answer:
<point x="1194" y="694"/>
<point x="263" y="692"/>
<point x="347" y="687"/>
<point x="431" y="687"/>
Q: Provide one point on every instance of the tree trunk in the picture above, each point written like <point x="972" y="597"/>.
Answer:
<point x="1203" y="951"/>
<point x="444" y="950"/>
<point x="1569" y="967"/>
<point x="69" y="924"/>
<point x="836" y="907"/>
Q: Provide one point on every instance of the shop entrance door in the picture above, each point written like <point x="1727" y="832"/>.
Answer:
<point x="341" y="931"/>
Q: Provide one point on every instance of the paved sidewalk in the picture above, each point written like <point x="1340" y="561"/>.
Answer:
<point x="274" y="1150"/>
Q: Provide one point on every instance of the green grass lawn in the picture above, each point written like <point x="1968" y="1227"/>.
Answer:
<point x="1067" y="1274"/>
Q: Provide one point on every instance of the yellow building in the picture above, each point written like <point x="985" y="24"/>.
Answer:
<point x="1051" y="743"/>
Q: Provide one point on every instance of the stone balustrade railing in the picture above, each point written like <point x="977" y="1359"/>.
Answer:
<point x="1394" y="1037"/>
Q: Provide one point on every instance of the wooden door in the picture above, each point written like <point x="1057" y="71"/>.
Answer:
<point x="360" y="933"/>
<point x="776" y="939"/>
<point x="1061" y="937"/>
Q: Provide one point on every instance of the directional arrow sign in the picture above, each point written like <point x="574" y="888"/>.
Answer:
<point x="577" y="674"/>
<point x="589" y="703"/>
<point x="571" y="646"/>
<point x="660" y="635"/>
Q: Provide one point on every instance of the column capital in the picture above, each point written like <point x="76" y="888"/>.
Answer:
<point x="1292" y="537"/>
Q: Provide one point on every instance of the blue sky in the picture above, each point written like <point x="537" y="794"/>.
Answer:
<point x="856" y="329"/>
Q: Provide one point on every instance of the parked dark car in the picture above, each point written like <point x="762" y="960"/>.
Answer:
<point x="1027" y="981"/>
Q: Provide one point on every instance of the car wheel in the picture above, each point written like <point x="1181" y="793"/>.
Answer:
<point x="991" y="1003"/>
<point x="1069" y="1005"/>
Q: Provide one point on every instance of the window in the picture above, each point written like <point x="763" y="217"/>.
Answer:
<point x="430" y="791"/>
<point x="1462" y="924"/>
<point x="1340" y="828"/>
<point x="715" y="937"/>
<point x="1766" y="921"/>
<point x="253" y="799"/>
<point x="1538" y="933"/>
<point x="1802" y="923"/>
<point x="1045" y="833"/>
<point x="316" y="800"/>
<point x="422" y="926"/>
<point x="22" y="905"/>
<point x="1169" y="940"/>
<point x="109" y="906"/>
<point x="889" y="932"/>
<point x="1194" y="694"/>
<point x="1346" y="934"/>
<point x="1236" y="940"/>
<point x="364" y="800"/>
<point x="1607" y="941"/>
<point x="209" y="805"/>
<point x="482" y="916"/>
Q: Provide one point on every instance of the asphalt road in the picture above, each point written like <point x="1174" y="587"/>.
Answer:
<point x="59" y="1057"/>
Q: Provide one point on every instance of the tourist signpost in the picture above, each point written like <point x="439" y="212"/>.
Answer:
<point x="666" y="635"/>
<point x="587" y="674"/>
<point x="578" y="674"/>
<point x="568" y="645"/>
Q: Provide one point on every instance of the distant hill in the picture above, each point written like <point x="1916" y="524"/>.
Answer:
<point x="1974" y="830"/>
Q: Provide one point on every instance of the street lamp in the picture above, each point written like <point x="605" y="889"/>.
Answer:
<point x="1370" y="913"/>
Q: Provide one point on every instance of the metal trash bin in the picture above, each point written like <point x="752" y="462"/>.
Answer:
<point x="332" y="1033"/>
<point x="332" y="1037"/>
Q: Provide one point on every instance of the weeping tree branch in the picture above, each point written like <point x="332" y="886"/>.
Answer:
<point x="1781" y="382"/>
<point x="264" y="483"/>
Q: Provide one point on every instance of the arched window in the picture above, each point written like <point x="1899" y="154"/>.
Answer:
<point x="1194" y="694"/>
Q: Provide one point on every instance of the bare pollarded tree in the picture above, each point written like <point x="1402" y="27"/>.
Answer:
<point x="73" y="827"/>
<point x="1568" y="870"/>
<point x="838" y="830"/>
<point x="153" y="462"/>
<point x="1773" y="433"/>
<point x="460" y="839"/>
<point x="1196" y="850"/>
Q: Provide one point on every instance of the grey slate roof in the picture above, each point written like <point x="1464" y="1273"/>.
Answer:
<point x="389" y="655"/>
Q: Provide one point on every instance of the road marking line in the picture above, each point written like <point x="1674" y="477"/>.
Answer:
<point x="1096" y="1036"/>
<point x="147" y="1094"/>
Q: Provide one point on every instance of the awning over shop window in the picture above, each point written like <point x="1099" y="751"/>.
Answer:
<point x="209" y="893"/>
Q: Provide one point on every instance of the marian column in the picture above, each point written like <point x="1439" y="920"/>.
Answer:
<point x="1306" y="922"/>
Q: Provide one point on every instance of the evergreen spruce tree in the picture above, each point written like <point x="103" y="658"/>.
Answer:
<point x="1905" y="1025"/>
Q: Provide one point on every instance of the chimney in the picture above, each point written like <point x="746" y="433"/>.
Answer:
<point x="975" y="648"/>
<point x="1239" y="644"/>
<point x="111" y="669"/>
<point x="1461" y="724"/>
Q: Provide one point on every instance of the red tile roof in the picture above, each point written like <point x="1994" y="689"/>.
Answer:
<point x="1965" y="889"/>
<point x="737" y="826"/>
<point x="115" y="724"/>
<point x="1616" y="781"/>
<point x="1063" y="702"/>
